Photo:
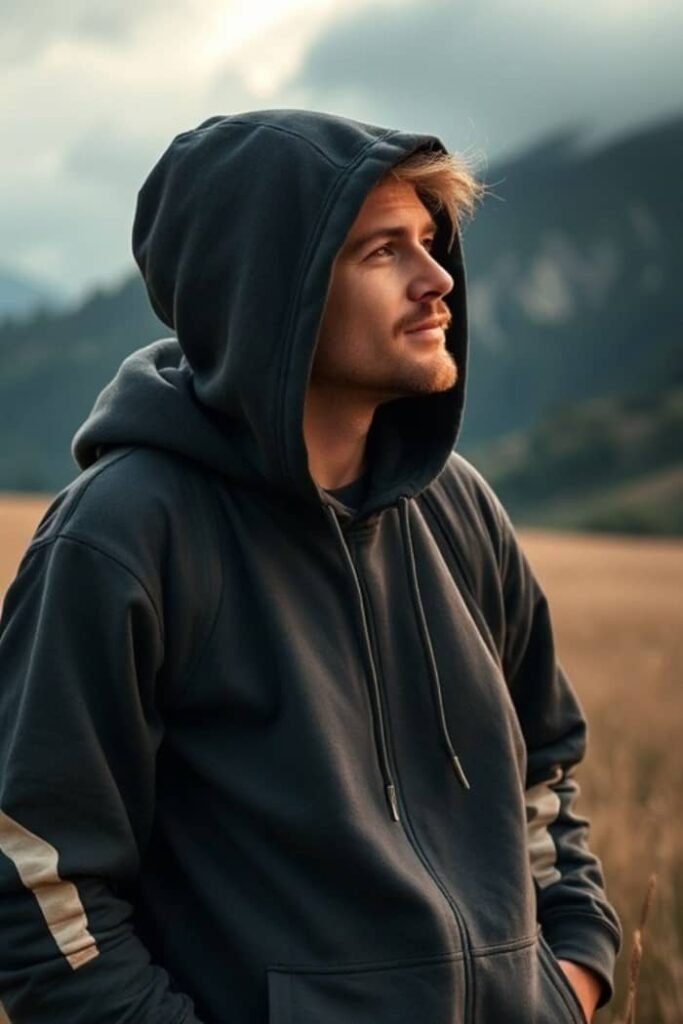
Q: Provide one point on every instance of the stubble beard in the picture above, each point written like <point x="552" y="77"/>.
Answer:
<point x="403" y="380"/>
<point x="412" y="379"/>
<point x="427" y="380"/>
<point x="439" y="374"/>
<point x="400" y="377"/>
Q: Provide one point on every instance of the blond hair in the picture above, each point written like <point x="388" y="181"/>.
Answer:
<point x="443" y="181"/>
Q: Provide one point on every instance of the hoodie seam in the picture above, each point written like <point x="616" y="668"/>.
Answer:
<point x="512" y="946"/>
<point x="431" y="504"/>
<point x="461" y="577"/>
<point x="95" y="470"/>
<point x="364" y="966"/>
<point x="312" y="248"/>
<point x="64" y="535"/>
<point x="197" y="657"/>
<point x="287" y="131"/>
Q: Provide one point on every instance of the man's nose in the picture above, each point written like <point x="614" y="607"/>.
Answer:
<point x="431" y="280"/>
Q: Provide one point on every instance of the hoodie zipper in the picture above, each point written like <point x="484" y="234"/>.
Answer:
<point x="404" y="816"/>
<point x="388" y="758"/>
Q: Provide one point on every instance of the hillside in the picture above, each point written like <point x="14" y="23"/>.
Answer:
<point x="51" y="370"/>
<point x="574" y="277"/>
<point x="612" y="463"/>
<point x="20" y="296"/>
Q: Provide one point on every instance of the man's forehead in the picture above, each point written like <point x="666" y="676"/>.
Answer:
<point x="390" y="199"/>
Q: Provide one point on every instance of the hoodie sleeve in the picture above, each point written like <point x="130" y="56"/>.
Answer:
<point x="576" y="919"/>
<point x="81" y="645"/>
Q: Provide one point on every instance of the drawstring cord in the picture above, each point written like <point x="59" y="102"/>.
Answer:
<point x="376" y="701"/>
<point x="427" y="641"/>
<point x="378" y="719"/>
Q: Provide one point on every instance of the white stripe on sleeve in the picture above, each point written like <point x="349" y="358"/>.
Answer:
<point x="37" y="864"/>
<point x="542" y="809"/>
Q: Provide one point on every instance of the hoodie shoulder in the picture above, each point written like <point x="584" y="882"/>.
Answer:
<point x="476" y="503"/>
<point x="128" y="492"/>
<point x="152" y="512"/>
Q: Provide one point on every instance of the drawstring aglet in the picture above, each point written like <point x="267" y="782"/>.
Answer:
<point x="391" y="800"/>
<point x="460" y="771"/>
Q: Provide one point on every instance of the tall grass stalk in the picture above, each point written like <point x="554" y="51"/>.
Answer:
<point x="637" y="954"/>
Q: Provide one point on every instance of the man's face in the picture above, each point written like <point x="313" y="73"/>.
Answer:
<point x="382" y="333"/>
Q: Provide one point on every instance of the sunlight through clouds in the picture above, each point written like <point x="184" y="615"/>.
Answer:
<point x="266" y="43"/>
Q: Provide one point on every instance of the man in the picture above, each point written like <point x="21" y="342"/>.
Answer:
<point x="284" y="736"/>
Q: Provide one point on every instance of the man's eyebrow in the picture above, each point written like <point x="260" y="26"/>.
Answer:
<point x="390" y="231"/>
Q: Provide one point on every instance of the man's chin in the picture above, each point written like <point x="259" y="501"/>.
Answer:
<point x="448" y="378"/>
<point x="441" y="377"/>
<point x="406" y="381"/>
<point x="420" y="382"/>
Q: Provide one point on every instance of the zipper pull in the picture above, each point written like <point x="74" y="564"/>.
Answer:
<point x="460" y="772"/>
<point x="391" y="800"/>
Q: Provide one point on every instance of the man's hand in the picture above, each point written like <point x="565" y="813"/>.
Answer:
<point x="585" y="984"/>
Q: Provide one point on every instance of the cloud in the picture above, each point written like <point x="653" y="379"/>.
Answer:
<point x="497" y="75"/>
<point x="30" y="28"/>
<point x="82" y="124"/>
<point x="111" y="156"/>
<point x="272" y="50"/>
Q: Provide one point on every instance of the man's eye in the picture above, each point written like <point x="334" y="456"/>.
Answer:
<point x="383" y="250"/>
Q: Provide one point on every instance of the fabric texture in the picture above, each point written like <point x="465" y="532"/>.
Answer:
<point x="282" y="759"/>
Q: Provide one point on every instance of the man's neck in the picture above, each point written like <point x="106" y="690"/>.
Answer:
<point x="335" y="431"/>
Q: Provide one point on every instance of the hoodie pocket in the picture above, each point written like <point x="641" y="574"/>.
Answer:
<point x="523" y="985"/>
<point x="399" y="993"/>
<point x="548" y="958"/>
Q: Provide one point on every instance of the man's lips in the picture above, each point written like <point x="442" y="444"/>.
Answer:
<point x="428" y="325"/>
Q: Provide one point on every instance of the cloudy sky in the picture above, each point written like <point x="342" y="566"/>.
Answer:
<point x="93" y="92"/>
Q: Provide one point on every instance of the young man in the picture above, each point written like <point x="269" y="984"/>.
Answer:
<point x="283" y="734"/>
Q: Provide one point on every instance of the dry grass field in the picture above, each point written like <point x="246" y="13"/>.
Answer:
<point x="618" y="612"/>
<point x="19" y="515"/>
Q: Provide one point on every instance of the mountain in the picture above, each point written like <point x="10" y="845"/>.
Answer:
<point x="51" y="370"/>
<point x="574" y="297"/>
<point x="575" y="273"/>
<point x="21" y="296"/>
<point x="611" y="463"/>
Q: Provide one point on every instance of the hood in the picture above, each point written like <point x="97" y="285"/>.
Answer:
<point x="236" y="231"/>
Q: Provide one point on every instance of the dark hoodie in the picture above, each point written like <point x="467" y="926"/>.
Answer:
<point x="266" y="757"/>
